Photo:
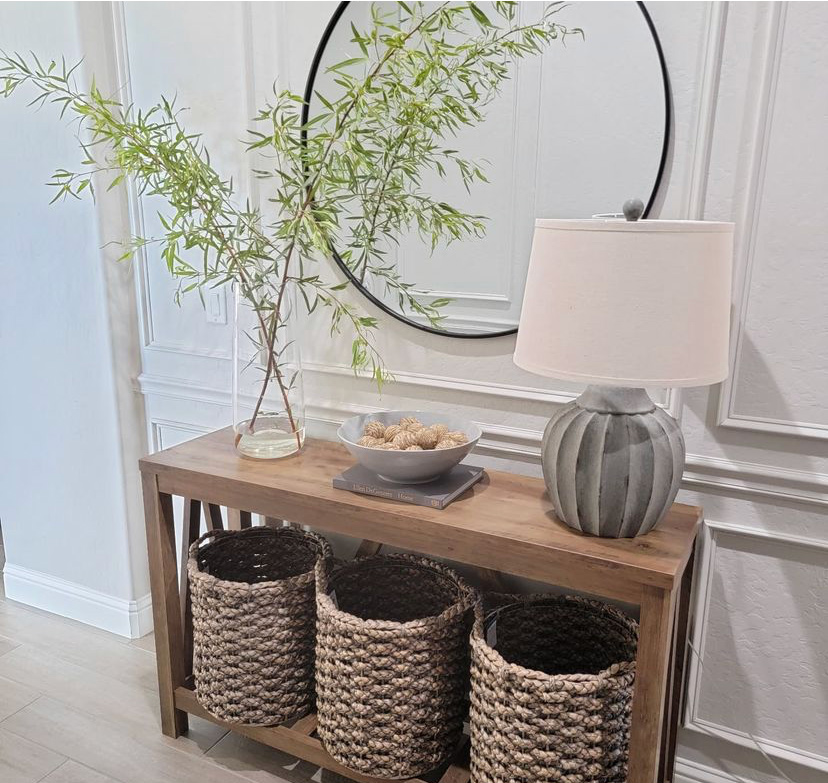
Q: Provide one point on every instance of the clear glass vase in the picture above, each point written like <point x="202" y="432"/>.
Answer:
<point x="268" y="399"/>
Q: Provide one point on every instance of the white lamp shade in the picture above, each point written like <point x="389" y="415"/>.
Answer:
<point x="638" y="303"/>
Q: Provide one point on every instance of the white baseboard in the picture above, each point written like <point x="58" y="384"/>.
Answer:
<point x="68" y="599"/>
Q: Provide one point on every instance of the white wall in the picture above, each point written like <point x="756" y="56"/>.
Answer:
<point x="750" y="111"/>
<point x="69" y="510"/>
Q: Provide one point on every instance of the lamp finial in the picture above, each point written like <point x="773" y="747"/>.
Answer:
<point x="633" y="209"/>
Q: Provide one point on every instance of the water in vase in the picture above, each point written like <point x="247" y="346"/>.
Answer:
<point x="270" y="437"/>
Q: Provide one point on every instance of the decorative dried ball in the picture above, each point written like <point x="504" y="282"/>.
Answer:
<point x="415" y="427"/>
<point x="446" y="443"/>
<point x="415" y="447"/>
<point x="376" y="429"/>
<point x="405" y="439"/>
<point x="440" y="429"/>
<point x="391" y="431"/>
<point x="389" y="447"/>
<point x="407" y="422"/>
<point x="367" y="440"/>
<point x="460" y="437"/>
<point x="427" y="438"/>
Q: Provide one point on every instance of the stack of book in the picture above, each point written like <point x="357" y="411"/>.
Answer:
<point x="435" y="494"/>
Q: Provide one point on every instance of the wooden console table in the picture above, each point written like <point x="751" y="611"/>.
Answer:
<point x="504" y="524"/>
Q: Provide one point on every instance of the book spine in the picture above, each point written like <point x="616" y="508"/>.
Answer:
<point x="406" y="496"/>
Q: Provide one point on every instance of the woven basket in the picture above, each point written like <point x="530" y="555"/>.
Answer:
<point x="254" y="618"/>
<point x="392" y="663"/>
<point x="552" y="683"/>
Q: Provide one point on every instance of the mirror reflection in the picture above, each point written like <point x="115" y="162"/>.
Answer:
<point x="575" y="132"/>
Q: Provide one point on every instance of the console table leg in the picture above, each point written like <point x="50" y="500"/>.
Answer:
<point x="189" y="534"/>
<point x="654" y="645"/>
<point x="166" y="603"/>
<point x="678" y="662"/>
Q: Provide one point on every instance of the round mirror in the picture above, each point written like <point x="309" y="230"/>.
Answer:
<point x="576" y="132"/>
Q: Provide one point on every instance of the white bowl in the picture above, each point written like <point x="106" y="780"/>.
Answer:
<point x="408" y="467"/>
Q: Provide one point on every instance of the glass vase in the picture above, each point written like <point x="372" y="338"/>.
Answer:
<point x="268" y="399"/>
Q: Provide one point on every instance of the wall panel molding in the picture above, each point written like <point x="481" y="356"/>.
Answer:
<point x="486" y="388"/>
<point x="746" y="242"/>
<point x="734" y="476"/>
<point x="463" y="296"/>
<point x="703" y="590"/>
<point x="693" y="772"/>
<point x="761" y="132"/>
<point x="404" y="378"/>
<point x="701" y="473"/>
<point x="801" y="429"/>
<point x="150" y="340"/>
<point x="709" y="76"/>
<point x="159" y="426"/>
<point x="468" y="323"/>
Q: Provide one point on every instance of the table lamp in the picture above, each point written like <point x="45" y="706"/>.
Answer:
<point x="619" y="305"/>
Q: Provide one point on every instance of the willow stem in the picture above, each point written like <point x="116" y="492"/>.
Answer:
<point x="272" y="368"/>
<point x="270" y="336"/>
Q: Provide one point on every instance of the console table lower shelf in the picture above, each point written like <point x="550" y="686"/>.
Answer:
<point x="505" y="524"/>
<point x="297" y="738"/>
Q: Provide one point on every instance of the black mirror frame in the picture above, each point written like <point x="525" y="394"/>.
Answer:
<point x="314" y="68"/>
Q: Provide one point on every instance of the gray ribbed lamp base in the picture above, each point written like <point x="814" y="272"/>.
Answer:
<point x="612" y="462"/>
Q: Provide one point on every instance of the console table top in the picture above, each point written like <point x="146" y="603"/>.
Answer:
<point x="504" y="522"/>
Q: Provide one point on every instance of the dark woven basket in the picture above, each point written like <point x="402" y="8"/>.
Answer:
<point x="552" y="683"/>
<point x="254" y="616"/>
<point x="392" y="663"/>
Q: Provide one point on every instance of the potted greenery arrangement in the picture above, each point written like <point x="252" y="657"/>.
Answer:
<point x="417" y="76"/>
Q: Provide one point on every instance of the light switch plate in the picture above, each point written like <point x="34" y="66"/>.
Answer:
<point x="216" y="306"/>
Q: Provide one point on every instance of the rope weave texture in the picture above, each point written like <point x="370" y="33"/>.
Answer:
<point x="551" y="691"/>
<point x="254" y="618"/>
<point x="392" y="663"/>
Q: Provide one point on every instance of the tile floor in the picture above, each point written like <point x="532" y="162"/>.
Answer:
<point x="78" y="705"/>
